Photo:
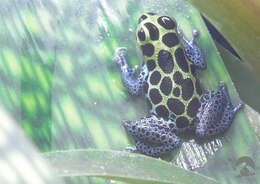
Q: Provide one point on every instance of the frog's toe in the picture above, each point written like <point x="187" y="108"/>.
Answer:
<point x="121" y="51"/>
<point x="222" y="85"/>
<point x="195" y="32"/>
<point x="131" y="149"/>
<point x="239" y="106"/>
<point x="119" y="56"/>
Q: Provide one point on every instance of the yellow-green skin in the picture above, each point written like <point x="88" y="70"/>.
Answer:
<point x="172" y="106"/>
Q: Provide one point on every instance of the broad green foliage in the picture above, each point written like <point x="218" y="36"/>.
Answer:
<point x="112" y="165"/>
<point x="238" y="21"/>
<point x="58" y="79"/>
<point x="244" y="80"/>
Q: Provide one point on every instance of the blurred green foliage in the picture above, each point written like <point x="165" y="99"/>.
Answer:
<point x="59" y="82"/>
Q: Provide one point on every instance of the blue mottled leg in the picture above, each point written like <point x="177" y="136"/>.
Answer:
<point x="154" y="150"/>
<point x="216" y="114"/>
<point x="192" y="51"/>
<point x="153" y="136"/>
<point x="149" y="129"/>
<point x="229" y="112"/>
<point x="226" y="119"/>
<point x="134" y="85"/>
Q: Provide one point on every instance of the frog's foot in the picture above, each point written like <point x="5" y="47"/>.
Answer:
<point x="216" y="114"/>
<point x="134" y="85"/>
<point x="153" y="135"/>
<point x="192" y="51"/>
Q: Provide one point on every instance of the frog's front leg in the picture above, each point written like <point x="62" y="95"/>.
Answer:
<point x="153" y="136"/>
<point x="134" y="85"/>
<point x="192" y="51"/>
<point x="216" y="114"/>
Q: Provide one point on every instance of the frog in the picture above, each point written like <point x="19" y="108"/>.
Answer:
<point x="168" y="80"/>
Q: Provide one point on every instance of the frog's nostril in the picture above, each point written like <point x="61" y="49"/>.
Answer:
<point x="141" y="18"/>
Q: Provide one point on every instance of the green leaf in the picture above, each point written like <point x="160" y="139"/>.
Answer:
<point x="68" y="92"/>
<point x="254" y="118"/>
<point x="20" y="161"/>
<point x="238" y="21"/>
<point x="122" y="166"/>
<point x="243" y="77"/>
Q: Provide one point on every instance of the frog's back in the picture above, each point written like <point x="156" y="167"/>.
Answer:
<point x="171" y="86"/>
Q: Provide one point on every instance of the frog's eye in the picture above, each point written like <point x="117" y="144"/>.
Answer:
<point x="141" y="34"/>
<point x="166" y="22"/>
<point x="141" y="18"/>
<point x="153" y="31"/>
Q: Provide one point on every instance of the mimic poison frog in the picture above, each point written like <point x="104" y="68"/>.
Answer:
<point x="168" y="80"/>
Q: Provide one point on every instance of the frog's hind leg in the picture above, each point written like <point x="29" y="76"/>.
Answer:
<point x="216" y="115"/>
<point x="134" y="85"/>
<point x="229" y="112"/>
<point x="192" y="51"/>
<point x="153" y="136"/>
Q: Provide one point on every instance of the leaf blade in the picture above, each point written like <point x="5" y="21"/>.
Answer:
<point x="121" y="166"/>
<point x="238" y="21"/>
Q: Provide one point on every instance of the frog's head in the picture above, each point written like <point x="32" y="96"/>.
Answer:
<point x="150" y="25"/>
<point x="151" y="29"/>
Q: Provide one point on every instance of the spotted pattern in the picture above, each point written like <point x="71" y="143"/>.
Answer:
<point x="153" y="31"/>
<point x="166" y="86"/>
<point x="181" y="60"/>
<point x="170" y="39"/>
<point x="166" y="22"/>
<point x="143" y="17"/>
<point x="182" y="122"/>
<point x="193" y="107"/>
<point x="162" y="111"/>
<point x="177" y="77"/>
<point x="187" y="89"/>
<point x="176" y="106"/>
<point x="176" y="91"/>
<point x="165" y="61"/>
<point x="155" y="96"/>
<point x="151" y="64"/>
<point x="147" y="49"/>
<point x="141" y="34"/>
<point x="155" y="78"/>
